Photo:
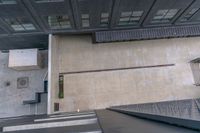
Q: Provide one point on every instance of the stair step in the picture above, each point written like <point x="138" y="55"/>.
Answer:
<point x="50" y="125"/>
<point x="65" y="118"/>
<point x="36" y="100"/>
<point x="41" y="108"/>
<point x="30" y="102"/>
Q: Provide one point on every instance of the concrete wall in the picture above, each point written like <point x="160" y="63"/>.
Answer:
<point x="103" y="89"/>
<point x="11" y="98"/>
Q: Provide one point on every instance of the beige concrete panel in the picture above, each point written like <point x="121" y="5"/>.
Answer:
<point x="76" y="54"/>
<point x="103" y="89"/>
<point x="85" y="102"/>
<point x="106" y="82"/>
<point x="127" y="81"/>
<point x="182" y="49"/>
<point x="68" y="104"/>
<point x="194" y="48"/>
<point x="70" y="85"/>
<point x="84" y="84"/>
<point x="81" y="103"/>
<point x="106" y="56"/>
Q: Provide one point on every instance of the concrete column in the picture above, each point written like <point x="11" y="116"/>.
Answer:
<point x="53" y="72"/>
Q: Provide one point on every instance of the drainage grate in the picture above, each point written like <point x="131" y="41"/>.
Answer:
<point x="146" y="33"/>
<point x="22" y="82"/>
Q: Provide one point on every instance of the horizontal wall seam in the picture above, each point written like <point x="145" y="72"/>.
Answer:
<point x="116" y="69"/>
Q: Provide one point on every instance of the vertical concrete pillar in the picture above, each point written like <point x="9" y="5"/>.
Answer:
<point x="53" y="72"/>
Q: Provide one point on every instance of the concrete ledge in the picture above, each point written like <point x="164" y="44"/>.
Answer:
<point x="63" y="118"/>
<point x="49" y="125"/>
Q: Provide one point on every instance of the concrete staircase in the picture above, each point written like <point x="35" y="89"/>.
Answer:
<point x="38" y="96"/>
<point x="38" y="105"/>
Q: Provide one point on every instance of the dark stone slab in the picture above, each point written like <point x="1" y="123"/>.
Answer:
<point x="113" y="122"/>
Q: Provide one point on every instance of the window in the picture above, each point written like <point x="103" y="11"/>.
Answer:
<point x="20" y="24"/>
<point x="164" y="15"/>
<point x="47" y="1"/>
<point x="85" y="20"/>
<point x="8" y="2"/>
<point x="130" y="18"/>
<point x="104" y="19"/>
<point x="59" y="22"/>
<point x="189" y="14"/>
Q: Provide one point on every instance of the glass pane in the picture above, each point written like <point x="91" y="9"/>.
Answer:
<point x="59" y="22"/>
<point x="20" y="24"/>
<point x="46" y="1"/>
<point x="104" y="15"/>
<point x="137" y="13"/>
<point x="123" y="23"/>
<point x="85" y="16"/>
<point x="85" y="20"/>
<point x="135" y="18"/>
<point x="29" y="26"/>
<point x="133" y="23"/>
<point x="190" y="14"/>
<point x="85" y="23"/>
<point x="158" y="17"/>
<point x="124" y="19"/>
<point x="172" y="12"/>
<point x="105" y="20"/>
<point x="18" y="27"/>
<point x="163" y="16"/>
<point x="130" y="18"/>
<point x="193" y="11"/>
<point x="65" y="24"/>
<point x="126" y="14"/>
<point x="162" y="12"/>
<point x="8" y="2"/>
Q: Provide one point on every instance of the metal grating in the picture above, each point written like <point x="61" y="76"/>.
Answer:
<point x="148" y="33"/>
<point x="22" y="82"/>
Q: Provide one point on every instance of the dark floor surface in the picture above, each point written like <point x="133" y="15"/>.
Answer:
<point x="113" y="122"/>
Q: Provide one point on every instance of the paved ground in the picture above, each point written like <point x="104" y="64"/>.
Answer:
<point x="76" y="122"/>
<point x="11" y="98"/>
